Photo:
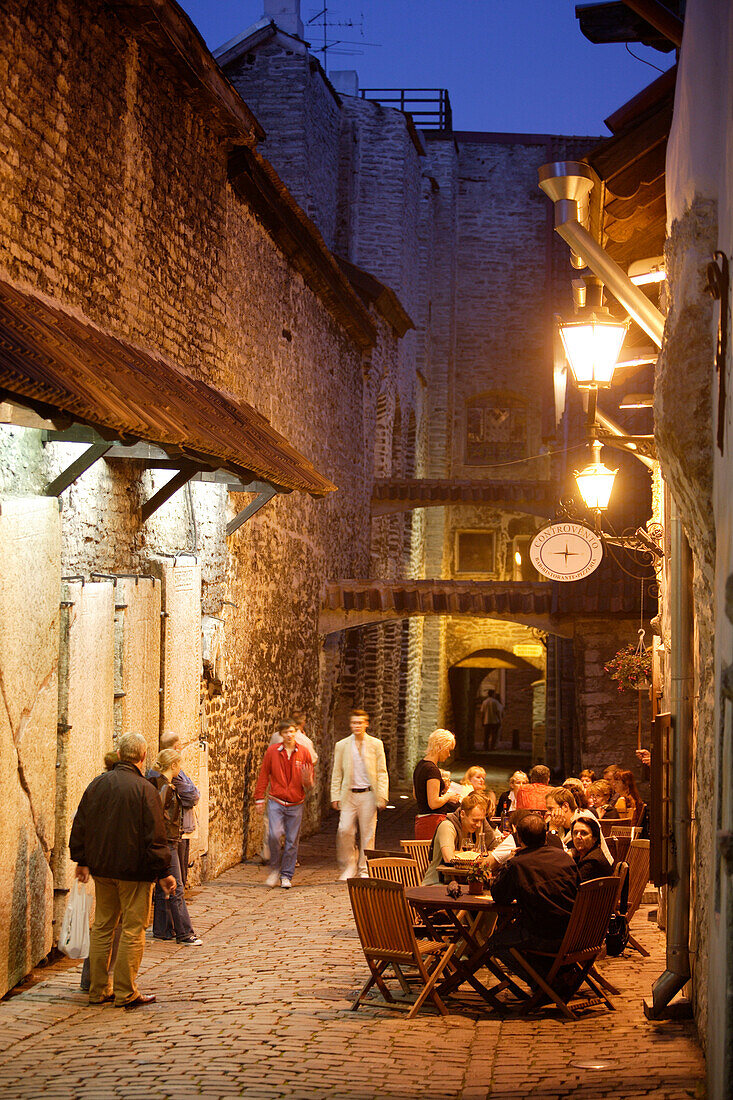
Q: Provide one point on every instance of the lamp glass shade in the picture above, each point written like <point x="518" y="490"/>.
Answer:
<point x="595" y="483"/>
<point x="592" y="348"/>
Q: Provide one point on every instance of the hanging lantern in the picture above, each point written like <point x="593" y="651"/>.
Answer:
<point x="592" y="346"/>
<point x="595" y="482"/>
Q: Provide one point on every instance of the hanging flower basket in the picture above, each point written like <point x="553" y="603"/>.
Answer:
<point x="631" y="667"/>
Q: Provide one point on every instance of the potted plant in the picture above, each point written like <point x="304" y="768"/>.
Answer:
<point x="478" y="877"/>
<point x="631" y="667"/>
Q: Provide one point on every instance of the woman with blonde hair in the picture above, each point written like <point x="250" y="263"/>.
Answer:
<point x="167" y="765"/>
<point x="433" y="803"/>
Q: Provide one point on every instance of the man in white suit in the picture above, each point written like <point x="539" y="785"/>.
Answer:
<point x="359" y="787"/>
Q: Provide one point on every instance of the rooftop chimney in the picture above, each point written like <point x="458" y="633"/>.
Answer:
<point x="286" y="13"/>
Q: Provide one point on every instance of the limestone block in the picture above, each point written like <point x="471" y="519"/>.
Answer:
<point x="200" y="840"/>
<point x="86" y="706"/>
<point x="29" y="627"/>
<point x="137" y="649"/>
<point x="182" y="666"/>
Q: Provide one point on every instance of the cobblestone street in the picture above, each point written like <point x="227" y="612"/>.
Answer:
<point x="262" y="1010"/>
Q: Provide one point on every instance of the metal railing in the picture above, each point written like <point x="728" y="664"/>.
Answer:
<point x="429" y="107"/>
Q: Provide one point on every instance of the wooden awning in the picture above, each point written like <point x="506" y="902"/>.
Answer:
<point x="69" y="371"/>
<point x="631" y="165"/>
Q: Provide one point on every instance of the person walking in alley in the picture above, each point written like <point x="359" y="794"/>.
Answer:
<point x="189" y="797"/>
<point x="170" y="914"/>
<point x="301" y="738"/>
<point x="288" y="770"/>
<point x="491" y="714"/>
<point x="359" y="788"/>
<point x="118" y="837"/>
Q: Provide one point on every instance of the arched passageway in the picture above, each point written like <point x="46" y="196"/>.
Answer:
<point x="516" y="682"/>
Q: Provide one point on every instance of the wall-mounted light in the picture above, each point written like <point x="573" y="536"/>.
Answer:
<point x="592" y="339"/>
<point x="646" y="272"/>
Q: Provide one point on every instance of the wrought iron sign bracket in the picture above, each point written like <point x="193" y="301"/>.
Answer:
<point x="718" y="287"/>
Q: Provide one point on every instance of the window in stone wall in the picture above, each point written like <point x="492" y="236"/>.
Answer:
<point x="496" y="429"/>
<point x="475" y="552"/>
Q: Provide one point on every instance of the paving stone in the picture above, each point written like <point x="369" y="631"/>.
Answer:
<point x="263" y="1011"/>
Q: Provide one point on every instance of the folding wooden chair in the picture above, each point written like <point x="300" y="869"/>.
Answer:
<point x="581" y="946"/>
<point x="382" y="853"/>
<point x="420" y="851"/>
<point x="399" y="869"/>
<point x="621" y="874"/>
<point x="638" y="860"/>
<point x="624" y="833"/>
<point x="387" y="939"/>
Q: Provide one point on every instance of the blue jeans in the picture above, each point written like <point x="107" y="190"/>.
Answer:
<point x="170" y="916"/>
<point x="284" y="821"/>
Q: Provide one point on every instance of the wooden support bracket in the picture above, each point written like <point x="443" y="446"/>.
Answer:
<point x="68" y="476"/>
<point x="176" y="482"/>
<point x="254" y="506"/>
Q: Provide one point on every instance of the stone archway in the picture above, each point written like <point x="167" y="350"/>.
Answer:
<point x="514" y="679"/>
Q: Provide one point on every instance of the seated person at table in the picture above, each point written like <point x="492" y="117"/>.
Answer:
<point x="543" y="881"/>
<point x="508" y="799"/>
<point x="531" y="796"/>
<point x="508" y="846"/>
<point x="627" y="796"/>
<point x="578" y="792"/>
<point x="561" y="806"/>
<point x="468" y="824"/>
<point x="589" y="848"/>
<point x="601" y="799"/>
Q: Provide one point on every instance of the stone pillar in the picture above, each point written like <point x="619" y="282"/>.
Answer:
<point x="181" y="668"/>
<point x="137" y="659"/>
<point x="86" y="709"/>
<point x="30" y="551"/>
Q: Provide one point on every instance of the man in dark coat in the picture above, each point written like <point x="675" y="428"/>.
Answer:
<point x="118" y="837"/>
<point x="543" y="881"/>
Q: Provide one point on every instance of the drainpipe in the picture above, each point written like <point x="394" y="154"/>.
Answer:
<point x="677" y="973"/>
<point x="569" y="183"/>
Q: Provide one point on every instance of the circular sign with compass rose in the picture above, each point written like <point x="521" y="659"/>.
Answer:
<point x="566" y="551"/>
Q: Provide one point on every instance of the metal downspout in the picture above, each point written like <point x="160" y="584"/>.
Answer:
<point x="677" y="973"/>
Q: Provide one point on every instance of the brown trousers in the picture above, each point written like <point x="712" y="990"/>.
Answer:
<point x="118" y="899"/>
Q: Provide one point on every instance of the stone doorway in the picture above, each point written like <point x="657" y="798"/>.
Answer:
<point x="514" y="680"/>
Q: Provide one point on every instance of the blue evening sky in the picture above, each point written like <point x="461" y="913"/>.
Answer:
<point x="514" y="65"/>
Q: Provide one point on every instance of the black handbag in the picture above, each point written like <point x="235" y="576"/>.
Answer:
<point x="617" y="936"/>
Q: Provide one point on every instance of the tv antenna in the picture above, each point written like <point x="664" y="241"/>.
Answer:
<point x="337" y="45"/>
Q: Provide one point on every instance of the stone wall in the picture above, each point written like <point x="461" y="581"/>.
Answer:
<point x="683" y="403"/>
<point x="118" y="205"/>
<point x="607" y="719"/>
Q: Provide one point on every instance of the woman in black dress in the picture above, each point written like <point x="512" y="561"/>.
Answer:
<point x="589" y="848"/>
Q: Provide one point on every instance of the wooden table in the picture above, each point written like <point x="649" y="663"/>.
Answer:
<point x="470" y="954"/>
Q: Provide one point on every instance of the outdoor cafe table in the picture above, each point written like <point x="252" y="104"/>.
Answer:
<point x="469" y="936"/>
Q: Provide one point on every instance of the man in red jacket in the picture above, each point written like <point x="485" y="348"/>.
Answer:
<point x="287" y="768"/>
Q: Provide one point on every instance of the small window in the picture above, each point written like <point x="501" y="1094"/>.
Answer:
<point x="496" y="429"/>
<point x="475" y="552"/>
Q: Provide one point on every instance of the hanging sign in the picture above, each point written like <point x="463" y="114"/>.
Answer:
<point x="566" y="551"/>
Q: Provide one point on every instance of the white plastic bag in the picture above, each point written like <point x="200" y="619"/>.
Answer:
<point x="74" y="935"/>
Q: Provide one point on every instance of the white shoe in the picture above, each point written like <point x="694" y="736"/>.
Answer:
<point x="363" y="874"/>
<point x="285" y="883"/>
<point x="350" y="872"/>
<point x="273" y="878"/>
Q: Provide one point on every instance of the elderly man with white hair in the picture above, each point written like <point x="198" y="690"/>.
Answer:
<point x="119" y="838"/>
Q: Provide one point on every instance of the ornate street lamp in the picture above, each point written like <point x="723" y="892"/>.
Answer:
<point x="595" y="482"/>
<point x="592" y="339"/>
